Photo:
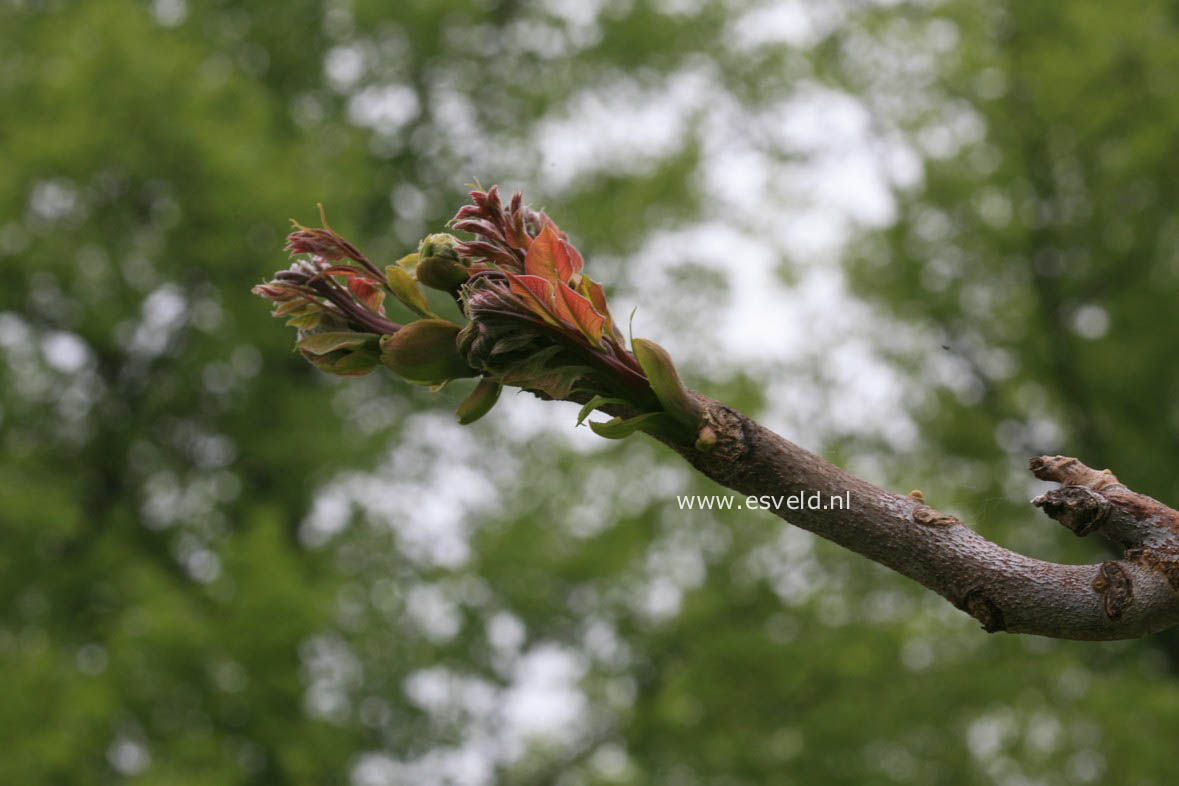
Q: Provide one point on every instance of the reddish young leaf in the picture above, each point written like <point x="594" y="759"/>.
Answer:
<point x="489" y="251"/>
<point x="536" y="294"/>
<point x="493" y="207"/>
<point x="516" y="233"/>
<point x="477" y="226"/>
<point x="582" y="314"/>
<point x="576" y="262"/>
<point x="347" y="271"/>
<point x="368" y="293"/>
<point x="548" y="258"/>
<point x="351" y="273"/>
<point x="593" y="290"/>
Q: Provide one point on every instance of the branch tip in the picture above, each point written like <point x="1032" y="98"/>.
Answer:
<point x="1069" y="471"/>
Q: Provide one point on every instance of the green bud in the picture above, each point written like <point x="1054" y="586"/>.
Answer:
<point x="665" y="381"/>
<point x="424" y="352"/>
<point x="439" y="245"/>
<point x="443" y="273"/>
<point x="479" y="402"/>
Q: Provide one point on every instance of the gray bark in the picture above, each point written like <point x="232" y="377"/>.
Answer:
<point x="1005" y="591"/>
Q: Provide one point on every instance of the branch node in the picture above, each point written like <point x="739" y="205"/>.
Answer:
<point x="1079" y="508"/>
<point x="722" y="443"/>
<point x="1113" y="584"/>
<point x="978" y="605"/>
<point x="929" y="517"/>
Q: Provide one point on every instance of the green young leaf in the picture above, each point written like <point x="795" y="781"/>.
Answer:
<point x="557" y="382"/>
<point x="356" y="364"/>
<point x="531" y="366"/>
<point x="655" y="423"/>
<point x="511" y="343"/>
<point x="306" y="321"/>
<point x="323" y="343"/>
<point x="594" y="403"/>
<point x="479" y="402"/>
<point x="292" y="307"/>
<point x="405" y="288"/>
<point x="665" y="381"/>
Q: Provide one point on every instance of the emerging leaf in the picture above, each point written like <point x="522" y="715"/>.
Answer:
<point x="356" y="364"/>
<point x="656" y="423"/>
<point x="307" y="321"/>
<point x="512" y="343"/>
<point x="296" y="306"/>
<point x="531" y="366"/>
<point x="665" y="381"/>
<point x="323" y="343"/>
<point x="582" y="314"/>
<point x="548" y="257"/>
<point x="479" y="402"/>
<point x="368" y="292"/>
<point x="593" y="291"/>
<point x="594" y="403"/>
<point x="575" y="260"/>
<point x="405" y="289"/>
<point x="536" y="294"/>
<point x="556" y="383"/>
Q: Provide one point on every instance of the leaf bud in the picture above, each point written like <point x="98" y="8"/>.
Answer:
<point x="424" y="351"/>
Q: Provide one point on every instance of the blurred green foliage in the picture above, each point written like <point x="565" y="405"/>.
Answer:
<point x="221" y="566"/>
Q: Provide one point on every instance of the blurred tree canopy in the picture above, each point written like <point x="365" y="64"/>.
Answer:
<point x="221" y="566"/>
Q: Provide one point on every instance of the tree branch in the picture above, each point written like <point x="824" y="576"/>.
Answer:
<point x="536" y="321"/>
<point x="1005" y="591"/>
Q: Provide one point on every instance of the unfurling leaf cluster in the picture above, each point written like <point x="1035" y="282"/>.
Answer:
<point x="533" y="319"/>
